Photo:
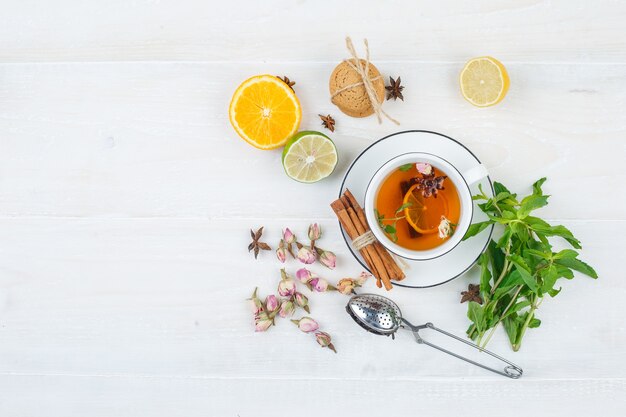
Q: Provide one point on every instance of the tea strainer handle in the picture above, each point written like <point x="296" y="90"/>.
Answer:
<point x="510" y="370"/>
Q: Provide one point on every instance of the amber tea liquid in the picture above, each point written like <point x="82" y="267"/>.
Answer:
<point x="426" y="212"/>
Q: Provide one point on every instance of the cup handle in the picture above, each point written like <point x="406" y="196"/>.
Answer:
<point x="475" y="174"/>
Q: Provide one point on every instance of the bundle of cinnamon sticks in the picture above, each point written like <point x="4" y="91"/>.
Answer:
<point x="378" y="259"/>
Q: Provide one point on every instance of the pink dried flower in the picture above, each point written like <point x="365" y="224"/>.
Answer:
<point x="424" y="168"/>
<point x="346" y="286"/>
<point x="281" y="252"/>
<point x="304" y="275"/>
<point x="445" y="228"/>
<point x="315" y="232"/>
<point x="306" y="255"/>
<point x="255" y="303"/>
<point x="287" y="309"/>
<point x="302" y="301"/>
<point x="320" y="285"/>
<point x="362" y="278"/>
<point x="324" y="340"/>
<point x="288" y="236"/>
<point x="272" y="304"/>
<point x="306" y="324"/>
<point x="262" y="322"/>
<point x="328" y="259"/>
<point x="286" y="286"/>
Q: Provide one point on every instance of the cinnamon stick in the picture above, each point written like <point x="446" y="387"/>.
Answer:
<point x="395" y="272"/>
<point x="348" y="225"/>
<point x="376" y="255"/>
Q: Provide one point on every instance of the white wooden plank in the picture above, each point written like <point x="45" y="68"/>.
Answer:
<point x="122" y="396"/>
<point x="514" y="30"/>
<point x="158" y="297"/>
<point x="146" y="139"/>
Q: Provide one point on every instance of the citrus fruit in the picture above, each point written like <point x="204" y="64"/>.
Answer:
<point x="309" y="156"/>
<point x="484" y="81"/>
<point x="424" y="216"/>
<point x="265" y="111"/>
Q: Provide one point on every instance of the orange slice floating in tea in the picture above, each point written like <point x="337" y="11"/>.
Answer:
<point x="424" y="214"/>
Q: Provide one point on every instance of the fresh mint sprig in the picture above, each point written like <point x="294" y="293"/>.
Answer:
<point x="521" y="268"/>
<point x="391" y="229"/>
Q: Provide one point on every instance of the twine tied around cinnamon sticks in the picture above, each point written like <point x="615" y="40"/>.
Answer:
<point x="379" y="261"/>
<point x="366" y="81"/>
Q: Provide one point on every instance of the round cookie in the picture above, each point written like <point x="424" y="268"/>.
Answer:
<point x="355" y="101"/>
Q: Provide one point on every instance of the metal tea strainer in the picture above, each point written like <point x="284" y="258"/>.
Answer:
<point x="380" y="315"/>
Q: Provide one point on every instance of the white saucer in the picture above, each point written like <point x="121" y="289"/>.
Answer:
<point x="428" y="273"/>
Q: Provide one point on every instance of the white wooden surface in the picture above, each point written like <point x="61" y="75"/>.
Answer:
<point x="125" y="199"/>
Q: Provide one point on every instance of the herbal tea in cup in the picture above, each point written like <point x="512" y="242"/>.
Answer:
<point x="419" y="206"/>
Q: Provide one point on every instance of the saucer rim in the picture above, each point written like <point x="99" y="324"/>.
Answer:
<point x="343" y="182"/>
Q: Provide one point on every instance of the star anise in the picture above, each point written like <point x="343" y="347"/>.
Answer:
<point x="328" y="122"/>
<point x="429" y="185"/>
<point x="394" y="89"/>
<point x="287" y="81"/>
<point x="472" y="294"/>
<point x="256" y="243"/>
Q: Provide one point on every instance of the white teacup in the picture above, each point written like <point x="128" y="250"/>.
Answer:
<point x="462" y="181"/>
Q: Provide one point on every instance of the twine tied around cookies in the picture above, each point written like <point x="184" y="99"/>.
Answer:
<point x="366" y="80"/>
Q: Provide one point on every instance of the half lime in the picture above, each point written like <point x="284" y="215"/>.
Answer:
<point x="309" y="156"/>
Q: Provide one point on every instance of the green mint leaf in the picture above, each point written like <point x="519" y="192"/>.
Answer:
<point x="517" y="260"/>
<point x="517" y="307"/>
<point x="500" y="188"/>
<point x="476" y="228"/>
<point x="531" y="203"/>
<point x="512" y="326"/>
<point x="537" y="186"/>
<point x="539" y="254"/>
<point x="497" y="219"/>
<point x="475" y="314"/>
<point x="524" y="271"/>
<point x="520" y="230"/>
<point x="390" y="229"/>
<point x="577" y="265"/>
<point x="485" y="275"/>
<point x="559" y="230"/>
<point x="405" y="167"/>
<point x="564" y="272"/>
<point x="497" y="258"/>
<point x="553" y="293"/>
<point x="505" y="238"/>
<point x="549" y="276"/>
<point x="402" y="207"/>
<point x="566" y="253"/>
<point x="534" y="323"/>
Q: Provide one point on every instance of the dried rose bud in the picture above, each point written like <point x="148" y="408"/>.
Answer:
<point x="320" y="285"/>
<point x="287" y="309"/>
<point x="288" y="236"/>
<point x="262" y="322"/>
<point x="424" y="168"/>
<point x="445" y="227"/>
<point x="255" y="303"/>
<point x="323" y="339"/>
<point x="286" y="286"/>
<point x="328" y="259"/>
<point x="304" y="275"/>
<point x="272" y="304"/>
<point x="306" y="324"/>
<point x="346" y="286"/>
<point x="362" y="278"/>
<point x="306" y="255"/>
<point x="302" y="301"/>
<point x="281" y="253"/>
<point x="315" y="232"/>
